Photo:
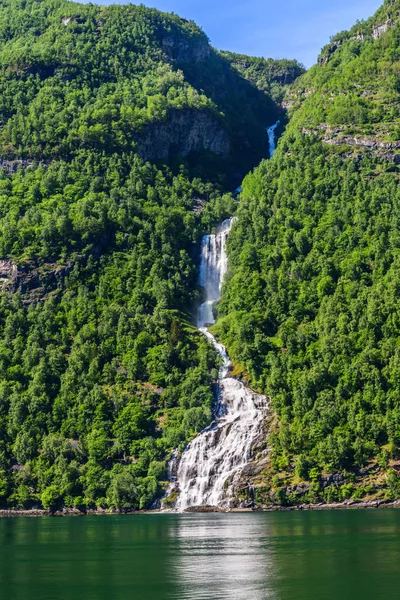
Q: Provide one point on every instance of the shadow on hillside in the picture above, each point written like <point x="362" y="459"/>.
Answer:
<point x="248" y="111"/>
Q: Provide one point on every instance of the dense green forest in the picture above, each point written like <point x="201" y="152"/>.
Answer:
<point x="122" y="132"/>
<point x="312" y="308"/>
<point x="86" y="77"/>
<point x="271" y="76"/>
<point x="102" y="373"/>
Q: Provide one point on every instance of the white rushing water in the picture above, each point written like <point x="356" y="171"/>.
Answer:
<point x="271" y="131"/>
<point x="213" y="462"/>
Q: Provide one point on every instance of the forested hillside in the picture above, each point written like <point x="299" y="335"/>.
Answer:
<point x="271" y="76"/>
<point x="311" y="310"/>
<point x="102" y="374"/>
<point x="123" y="78"/>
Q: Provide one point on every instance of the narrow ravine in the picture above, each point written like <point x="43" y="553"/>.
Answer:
<point x="212" y="464"/>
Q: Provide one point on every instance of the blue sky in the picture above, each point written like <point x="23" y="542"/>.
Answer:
<point x="270" y="28"/>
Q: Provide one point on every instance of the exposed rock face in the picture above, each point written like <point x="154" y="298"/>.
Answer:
<point x="336" y="136"/>
<point x="365" y="142"/>
<point x="8" y="271"/>
<point x="332" y="48"/>
<point x="198" y="205"/>
<point x="12" y="166"/>
<point x="37" y="282"/>
<point x="252" y="476"/>
<point x="379" y="30"/>
<point x="33" y="283"/>
<point x="184" y="132"/>
<point x="186" y="50"/>
<point x="383" y="150"/>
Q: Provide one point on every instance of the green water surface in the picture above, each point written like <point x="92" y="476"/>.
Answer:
<point x="281" y="556"/>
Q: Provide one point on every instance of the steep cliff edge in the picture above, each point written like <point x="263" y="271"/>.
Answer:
<point x="270" y="76"/>
<point x="350" y="98"/>
<point x="183" y="132"/>
<point x="102" y="78"/>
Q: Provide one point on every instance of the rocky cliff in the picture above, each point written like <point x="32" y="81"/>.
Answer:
<point x="181" y="133"/>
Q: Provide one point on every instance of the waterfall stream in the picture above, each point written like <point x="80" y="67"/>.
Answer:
<point x="212" y="464"/>
<point x="271" y="131"/>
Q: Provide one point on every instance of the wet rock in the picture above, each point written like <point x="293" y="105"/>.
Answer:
<point x="210" y="471"/>
<point x="204" y="509"/>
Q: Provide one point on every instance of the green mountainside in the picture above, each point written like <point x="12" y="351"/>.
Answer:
<point x="121" y="130"/>
<point x="271" y="76"/>
<point x="311" y="310"/>
<point x="119" y="78"/>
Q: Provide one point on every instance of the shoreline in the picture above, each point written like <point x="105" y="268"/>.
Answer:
<point x="67" y="512"/>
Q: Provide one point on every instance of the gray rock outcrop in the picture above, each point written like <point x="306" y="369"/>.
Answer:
<point x="33" y="283"/>
<point x="183" y="132"/>
<point x="8" y="271"/>
<point x="186" y="50"/>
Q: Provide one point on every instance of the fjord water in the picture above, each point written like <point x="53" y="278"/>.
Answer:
<point x="344" y="555"/>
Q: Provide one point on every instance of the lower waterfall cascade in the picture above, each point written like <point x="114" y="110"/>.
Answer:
<point x="212" y="464"/>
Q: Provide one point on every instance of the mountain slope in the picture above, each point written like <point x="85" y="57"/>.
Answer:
<point x="112" y="79"/>
<point x="102" y="374"/>
<point x="271" y="76"/>
<point x="311" y="308"/>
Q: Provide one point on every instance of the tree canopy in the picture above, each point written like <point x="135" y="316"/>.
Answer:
<point x="102" y="373"/>
<point x="311" y="309"/>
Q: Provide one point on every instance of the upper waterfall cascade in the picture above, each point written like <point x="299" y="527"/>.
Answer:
<point x="213" y="462"/>
<point x="271" y="131"/>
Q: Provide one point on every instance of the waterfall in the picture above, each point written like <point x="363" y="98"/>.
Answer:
<point x="213" y="267"/>
<point x="213" y="462"/>
<point x="272" y="137"/>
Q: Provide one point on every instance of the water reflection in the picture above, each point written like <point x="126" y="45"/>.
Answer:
<point x="279" y="556"/>
<point x="288" y="556"/>
<point x="223" y="556"/>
